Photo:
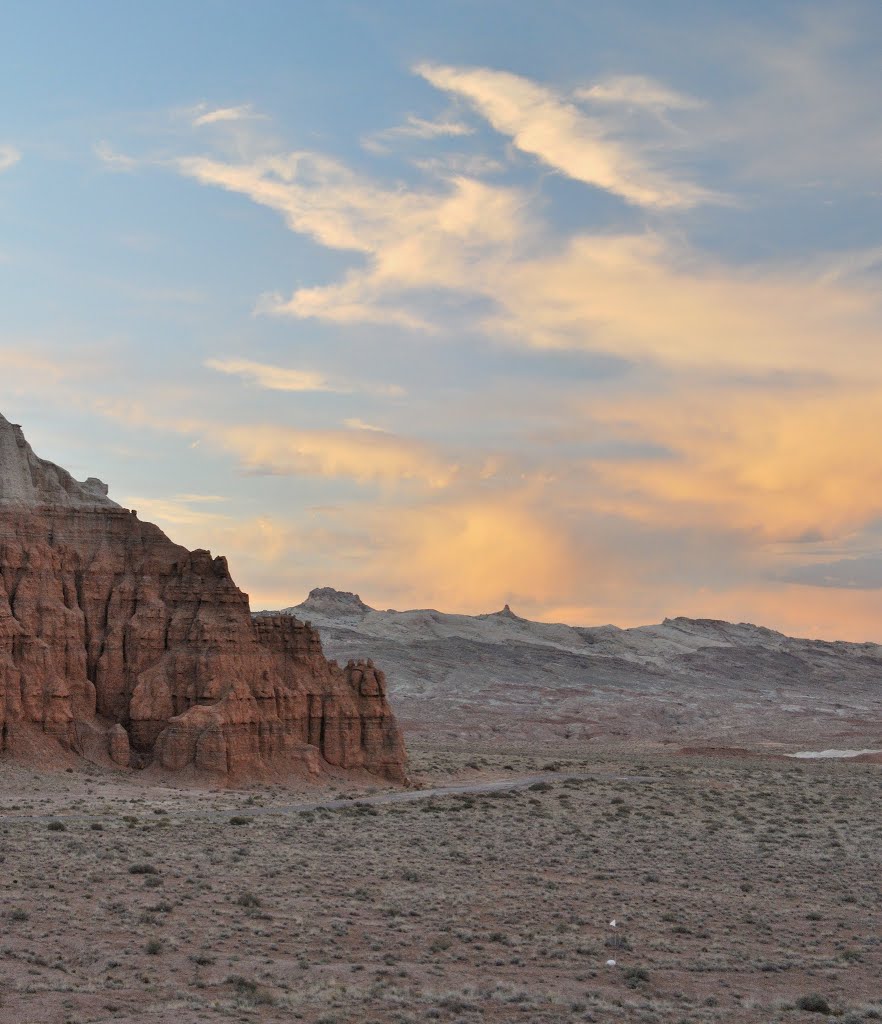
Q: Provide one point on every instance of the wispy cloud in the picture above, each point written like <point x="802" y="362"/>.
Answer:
<point x="552" y="128"/>
<point x="470" y="165"/>
<point x="810" y="116"/>
<point x="469" y="238"/>
<point x="181" y="510"/>
<point x="359" y="455"/>
<point x="28" y="366"/>
<point x="357" y="424"/>
<point x="9" y="157"/>
<point x="15" y="361"/>
<point x="416" y="128"/>
<point x="281" y="378"/>
<point x="202" y="116"/>
<point x="435" y="238"/>
<point x="637" y="91"/>
<point x="273" y="378"/>
<point x="421" y="128"/>
<point x="113" y="160"/>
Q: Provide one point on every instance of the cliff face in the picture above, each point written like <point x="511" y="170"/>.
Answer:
<point x="112" y="634"/>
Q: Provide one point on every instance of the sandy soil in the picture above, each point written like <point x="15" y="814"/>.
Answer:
<point x="742" y="888"/>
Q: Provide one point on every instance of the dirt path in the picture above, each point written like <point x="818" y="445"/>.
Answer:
<point x="466" y="788"/>
<point x="390" y="797"/>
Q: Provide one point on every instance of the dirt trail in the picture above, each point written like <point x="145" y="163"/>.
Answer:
<point x="391" y="797"/>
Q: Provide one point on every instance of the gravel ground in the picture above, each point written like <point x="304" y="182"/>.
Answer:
<point x="742" y="890"/>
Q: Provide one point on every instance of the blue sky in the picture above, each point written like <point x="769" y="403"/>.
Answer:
<point x="570" y="305"/>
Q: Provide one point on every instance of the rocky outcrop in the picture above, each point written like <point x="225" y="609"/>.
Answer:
<point x="28" y="479"/>
<point x="326" y="601"/>
<point x="105" y="621"/>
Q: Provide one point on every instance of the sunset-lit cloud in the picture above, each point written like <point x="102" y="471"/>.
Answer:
<point x="549" y="126"/>
<point x="281" y="378"/>
<point x="274" y="378"/>
<point x="777" y="464"/>
<point x="359" y="455"/>
<point x="357" y="424"/>
<point x="439" y="238"/>
<point x="691" y="310"/>
<point x="17" y="365"/>
<point x="473" y="551"/>
<point x="183" y="510"/>
<point x="474" y="239"/>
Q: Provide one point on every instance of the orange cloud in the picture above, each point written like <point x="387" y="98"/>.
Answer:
<point x="639" y="297"/>
<point x="362" y="455"/>
<point x="468" y="553"/>
<point x="794" y="610"/>
<point x="776" y="463"/>
<point x="273" y="378"/>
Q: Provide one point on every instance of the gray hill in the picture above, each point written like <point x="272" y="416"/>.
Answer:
<point x="683" y="681"/>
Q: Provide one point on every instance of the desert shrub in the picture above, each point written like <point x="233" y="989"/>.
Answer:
<point x="813" y="1004"/>
<point x="635" y="975"/>
<point x="143" y="869"/>
<point x="241" y="984"/>
<point x="57" y="826"/>
<point x="19" y="915"/>
<point x="238" y="819"/>
<point x="154" y="947"/>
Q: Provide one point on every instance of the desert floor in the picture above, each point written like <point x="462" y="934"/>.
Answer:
<point x="743" y="890"/>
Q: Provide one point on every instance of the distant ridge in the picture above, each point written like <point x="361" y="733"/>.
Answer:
<point x="326" y="603"/>
<point x="684" y="680"/>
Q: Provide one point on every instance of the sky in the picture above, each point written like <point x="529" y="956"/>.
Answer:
<point x="570" y="305"/>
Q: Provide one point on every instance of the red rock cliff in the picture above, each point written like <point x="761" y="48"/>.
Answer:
<point x="109" y="629"/>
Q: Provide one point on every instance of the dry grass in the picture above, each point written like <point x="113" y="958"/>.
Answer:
<point x="743" y="892"/>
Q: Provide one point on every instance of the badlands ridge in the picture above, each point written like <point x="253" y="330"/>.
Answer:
<point x="121" y="647"/>
<point x="682" y="682"/>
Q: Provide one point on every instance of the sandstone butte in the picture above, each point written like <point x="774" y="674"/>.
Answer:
<point x="122" y="647"/>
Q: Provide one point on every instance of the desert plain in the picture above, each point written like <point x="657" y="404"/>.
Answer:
<point x="743" y="889"/>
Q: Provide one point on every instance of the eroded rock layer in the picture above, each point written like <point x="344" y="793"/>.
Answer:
<point x="109" y="629"/>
